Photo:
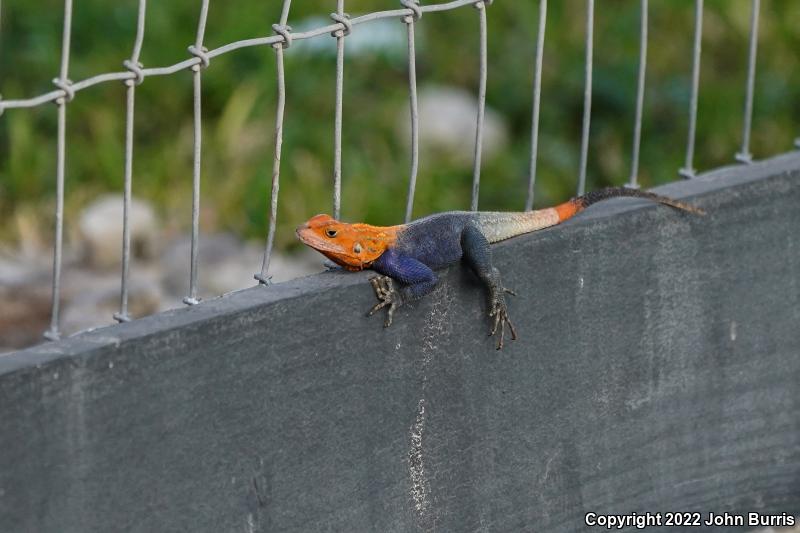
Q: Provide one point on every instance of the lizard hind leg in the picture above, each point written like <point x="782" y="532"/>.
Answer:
<point x="478" y="254"/>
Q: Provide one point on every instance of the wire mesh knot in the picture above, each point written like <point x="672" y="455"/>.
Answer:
<point x="66" y="86"/>
<point x="413" y="5"/>
<point x="120" y="317"/>
<point x="284" y="31"/>
<point x="202" y="54"/>
<point x="136" y="69"/>
<point x="344" y="20"/>
<point x="482" y="4"/>
<point x="262" y="279"/>
<point x="2" y="107"/>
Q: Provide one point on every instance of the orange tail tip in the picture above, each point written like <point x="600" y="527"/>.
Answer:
<point x="568" y="210"/>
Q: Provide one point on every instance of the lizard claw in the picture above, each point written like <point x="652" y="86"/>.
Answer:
<point x="499" y="311"/>
<point x="387" y="296"/>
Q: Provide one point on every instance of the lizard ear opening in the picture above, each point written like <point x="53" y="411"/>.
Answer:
<point x="357" y="248"/>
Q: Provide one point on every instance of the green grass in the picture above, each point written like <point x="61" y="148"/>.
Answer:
<point x="239" y="105"/>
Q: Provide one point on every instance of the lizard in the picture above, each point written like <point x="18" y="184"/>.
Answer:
<point x="410" y="253"/>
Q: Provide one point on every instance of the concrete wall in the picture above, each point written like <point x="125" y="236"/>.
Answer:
<point x="658" y="370"/>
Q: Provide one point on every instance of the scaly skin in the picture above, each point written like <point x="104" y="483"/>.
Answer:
<point x="410" y="253"/>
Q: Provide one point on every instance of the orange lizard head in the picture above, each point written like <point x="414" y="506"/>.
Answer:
<point x="352" y="246"/>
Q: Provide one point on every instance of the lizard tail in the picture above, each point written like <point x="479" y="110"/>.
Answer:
<point x="500" y="226"/>
<point x="576" y="205"/>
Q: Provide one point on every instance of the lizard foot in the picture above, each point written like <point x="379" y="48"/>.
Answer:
<point x="388" y="296"/>
<point x="500" y="313"/>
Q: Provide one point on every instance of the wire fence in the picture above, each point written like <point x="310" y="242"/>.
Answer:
<point x="410" y="12"/>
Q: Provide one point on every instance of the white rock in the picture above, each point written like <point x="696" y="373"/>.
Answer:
<point x="100" y="231"/>
<point x="93" y="299"/>
<point x="226" y="264"/>
<point x="447" y="122"/>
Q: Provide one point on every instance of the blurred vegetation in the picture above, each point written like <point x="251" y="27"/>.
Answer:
<point x="239" y="103"/>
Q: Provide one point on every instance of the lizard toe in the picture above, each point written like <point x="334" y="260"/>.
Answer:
<point x="377" y="307"/>
<point x="501" y="319"/>
<point x="389" y="315"/>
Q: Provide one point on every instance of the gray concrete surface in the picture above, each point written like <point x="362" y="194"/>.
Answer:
<point x="658" y="370"/>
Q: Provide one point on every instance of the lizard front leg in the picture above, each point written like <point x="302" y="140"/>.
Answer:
<point x="387" y="296"/>
<point x="415" y="279"/>
<point x="478" y="254"/>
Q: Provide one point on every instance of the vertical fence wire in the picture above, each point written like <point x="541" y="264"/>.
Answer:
<point x="342" y="18"/>
<point x="637" y="127"/>
<point x="410" y="21"/>
<point x="1" y="34"/>
<point x="134" y="66"/>
<point x="587" y="96"/>
<point x="744" y="155"/>
<point x="63" y="83"/>
<point x="285" y="31"/>
<point x="537" y="95"/>
<point x="688" y="170"/>
<point x="476" y="169"/>
<point x="199" y="51"/>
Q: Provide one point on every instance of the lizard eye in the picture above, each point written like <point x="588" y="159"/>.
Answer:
<point x="330" y="232"/>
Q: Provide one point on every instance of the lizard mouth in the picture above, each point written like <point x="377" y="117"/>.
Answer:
<point x="308" y="237"/>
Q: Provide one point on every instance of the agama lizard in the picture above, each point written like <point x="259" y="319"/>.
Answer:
<point x="410" y="253"/>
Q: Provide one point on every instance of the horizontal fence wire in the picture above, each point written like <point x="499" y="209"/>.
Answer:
<point x="410" y="14"/>
<point x="76" y="87"/>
